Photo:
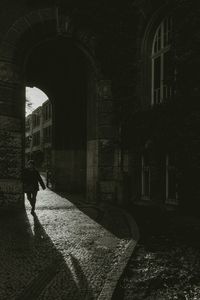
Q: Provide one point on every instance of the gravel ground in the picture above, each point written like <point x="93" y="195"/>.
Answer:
<point x="165" y="263"/>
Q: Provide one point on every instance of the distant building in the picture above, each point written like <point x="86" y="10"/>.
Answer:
<point x="38" y="136"/>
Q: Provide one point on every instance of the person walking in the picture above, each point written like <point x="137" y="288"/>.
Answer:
<point x="31" y="178"/>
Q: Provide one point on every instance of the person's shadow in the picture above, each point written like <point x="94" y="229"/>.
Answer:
<point x="33" y="268"/>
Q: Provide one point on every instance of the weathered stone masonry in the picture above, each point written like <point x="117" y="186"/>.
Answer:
<point x="11" y="132"/>
<point x="23" y="33"/>
<point x="115" y="39"/>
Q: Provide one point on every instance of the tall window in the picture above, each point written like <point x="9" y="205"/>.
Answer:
<point x="36" y="138"/>
<point x="28" y="125"/>
<point x="36" y="119"/>
<point x="146" y="176"/>
<point x="47" y="111"/>
<point x="161" y="89"/>
<point x="171" y="181"/>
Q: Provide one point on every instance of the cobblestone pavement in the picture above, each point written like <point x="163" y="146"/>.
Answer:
<point x="68" y="250"/>
<point x="165" y="263"/>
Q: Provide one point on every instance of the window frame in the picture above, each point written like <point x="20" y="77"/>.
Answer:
<point x="165" y="30"/>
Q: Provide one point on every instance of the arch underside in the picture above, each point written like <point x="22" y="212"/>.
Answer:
<point x="46" y="50"/>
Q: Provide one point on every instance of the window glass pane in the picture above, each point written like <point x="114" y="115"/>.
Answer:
<point x="167" y="30"/>
<point x="167" y="76"/>
<point x="159" y="38"/>
<point x="157" y="72"/>
<point x="162" y="66"/>
<point x="157" y="41"/>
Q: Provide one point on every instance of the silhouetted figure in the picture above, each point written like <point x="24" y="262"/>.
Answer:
<point x="31" y="186"/>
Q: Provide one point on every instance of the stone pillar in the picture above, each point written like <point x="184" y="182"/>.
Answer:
<point x="11" y="137"/>
<point x="108" y="165"/>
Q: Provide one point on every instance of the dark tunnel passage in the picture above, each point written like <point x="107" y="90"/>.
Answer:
<point x="58" y="68"/>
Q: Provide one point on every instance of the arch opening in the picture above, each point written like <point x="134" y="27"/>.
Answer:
<point x="59" y="68"/>
<point x="38" y="129"/>
<point x="63" y="65"/>
<point x="34" y="98"/>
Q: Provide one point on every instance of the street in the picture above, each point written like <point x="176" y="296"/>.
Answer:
<point x="64" y="251"/>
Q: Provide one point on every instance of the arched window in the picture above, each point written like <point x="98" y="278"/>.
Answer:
<point x="160" y="56"/>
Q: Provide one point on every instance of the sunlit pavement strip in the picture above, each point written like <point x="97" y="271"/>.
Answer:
<point x="65" y="253"/>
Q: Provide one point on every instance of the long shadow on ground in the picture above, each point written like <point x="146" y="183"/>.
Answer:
<point x="109" y="217"/>
<point x="30" y="261"/>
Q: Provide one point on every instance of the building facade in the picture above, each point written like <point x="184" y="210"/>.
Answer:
<point x="159" y="129"/>
<point x="38" y="136"/>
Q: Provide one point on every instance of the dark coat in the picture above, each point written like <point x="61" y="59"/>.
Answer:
<point x="31" y="178"/>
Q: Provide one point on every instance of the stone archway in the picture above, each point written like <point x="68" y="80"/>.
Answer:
<point x="25" y="34"/>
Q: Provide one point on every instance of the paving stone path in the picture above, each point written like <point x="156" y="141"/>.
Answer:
<point x="68" y="250"/>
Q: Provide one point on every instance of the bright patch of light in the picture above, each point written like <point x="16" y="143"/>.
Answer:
<point x="35" y="98"/>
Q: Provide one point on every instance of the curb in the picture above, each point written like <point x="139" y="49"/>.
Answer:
<point x="116" y="272"/>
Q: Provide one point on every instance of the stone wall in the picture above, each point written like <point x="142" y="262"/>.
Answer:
<point x="114" y="38"/>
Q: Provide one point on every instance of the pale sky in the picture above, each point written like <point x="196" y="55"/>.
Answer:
<point x="36" y="97"/>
